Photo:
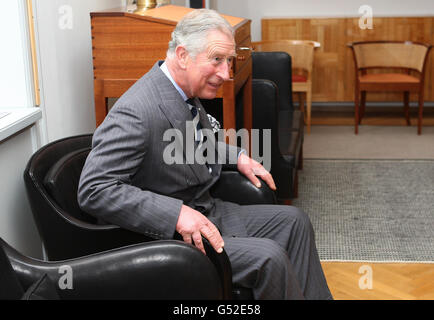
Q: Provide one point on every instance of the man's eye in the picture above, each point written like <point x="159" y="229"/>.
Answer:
<point x="218" y="60"/>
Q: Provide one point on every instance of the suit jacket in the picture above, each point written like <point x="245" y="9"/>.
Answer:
<point x="125" y="180"/>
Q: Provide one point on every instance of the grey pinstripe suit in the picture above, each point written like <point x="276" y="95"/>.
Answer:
<point x="126" y="182"/>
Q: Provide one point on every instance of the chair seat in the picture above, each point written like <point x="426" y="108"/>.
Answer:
<point x="298" y="78"/>
<point x="383" y="78"/>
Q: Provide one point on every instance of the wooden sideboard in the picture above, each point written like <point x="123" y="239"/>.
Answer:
<point x="333" y="71"/>
<point x="126" y="45"/>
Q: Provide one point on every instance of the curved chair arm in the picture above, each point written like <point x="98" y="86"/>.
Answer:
<point x="234" y="187"/>
<point x="167" y="269"/>
<point x="223" y="266"/>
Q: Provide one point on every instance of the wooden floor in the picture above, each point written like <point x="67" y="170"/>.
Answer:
<point x="380" y="281"/>
<point x="376" y="281"/>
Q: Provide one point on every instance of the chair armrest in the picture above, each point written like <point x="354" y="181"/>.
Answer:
<point x="223" y="266"/>
<point x="165" y="269"/>
<point x="235" y="187"/>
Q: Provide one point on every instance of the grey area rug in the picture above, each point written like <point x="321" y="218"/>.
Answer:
<point x="370" y="210"/>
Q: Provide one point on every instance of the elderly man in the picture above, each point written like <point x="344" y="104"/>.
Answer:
<point x="127" y="181"/>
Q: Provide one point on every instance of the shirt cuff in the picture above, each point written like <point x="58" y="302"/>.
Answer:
<point x="242" y="151"/>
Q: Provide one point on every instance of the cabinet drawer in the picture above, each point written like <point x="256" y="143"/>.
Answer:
<point x="244" y="52"/>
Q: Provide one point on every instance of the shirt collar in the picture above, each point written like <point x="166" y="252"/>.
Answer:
<point x="165" y="70"/>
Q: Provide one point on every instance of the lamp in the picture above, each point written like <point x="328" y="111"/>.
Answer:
<point x="143" y="5"/>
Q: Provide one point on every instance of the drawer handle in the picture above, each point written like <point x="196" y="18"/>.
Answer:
<point x="242" y="57"/>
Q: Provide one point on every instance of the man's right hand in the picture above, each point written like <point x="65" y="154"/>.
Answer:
<point x="192" y="225"/>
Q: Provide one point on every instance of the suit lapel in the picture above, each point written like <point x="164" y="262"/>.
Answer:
<point x="177" y="113"/>
<point x="203" y="117"/>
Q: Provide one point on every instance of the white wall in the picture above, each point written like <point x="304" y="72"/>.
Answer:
<point x="17" y="226"/>
<point x="65" y="56"/>
<point x="256" y="9"/>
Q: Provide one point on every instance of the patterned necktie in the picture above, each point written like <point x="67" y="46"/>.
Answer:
<point x="198" y="136"/>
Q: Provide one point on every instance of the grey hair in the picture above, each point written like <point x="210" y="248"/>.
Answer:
<point x="193" y="30"/>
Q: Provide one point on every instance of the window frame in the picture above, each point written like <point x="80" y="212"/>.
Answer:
<point x="17" y="117"/>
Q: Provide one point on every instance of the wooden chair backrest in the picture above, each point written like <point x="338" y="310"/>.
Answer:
<point x="390" y="54"/>
<point x="301" y="51"/>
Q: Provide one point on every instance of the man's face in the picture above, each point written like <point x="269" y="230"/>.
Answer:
<point x="210" y="68"/>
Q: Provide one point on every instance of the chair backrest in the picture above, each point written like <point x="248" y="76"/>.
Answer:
<point x="51" y="179"/>
<point x="265" y="107"/>
<point x="42" y="178"/>
<point x="62" y="180"/>
<point x="276" y="67"/>
<point x="49" y="212"/>
<point x="390" y="54"/>
<point x="301" y="51"/>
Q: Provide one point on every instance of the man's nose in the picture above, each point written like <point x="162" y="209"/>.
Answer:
<point x="223" y="70"/>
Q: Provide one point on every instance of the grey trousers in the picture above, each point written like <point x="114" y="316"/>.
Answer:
<point x="278" y="259"/>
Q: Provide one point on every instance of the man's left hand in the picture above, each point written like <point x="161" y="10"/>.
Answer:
<point x="251" y="168"/>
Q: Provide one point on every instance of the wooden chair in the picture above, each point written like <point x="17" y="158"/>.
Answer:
<point x="406" y="59"/>
<point x="301" y="52"/>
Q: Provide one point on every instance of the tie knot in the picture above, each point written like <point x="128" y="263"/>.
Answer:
<point x="193" y="108"/>
<point x="191" y="102"/>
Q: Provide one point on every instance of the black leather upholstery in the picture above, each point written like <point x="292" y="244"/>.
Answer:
<point x="64" y="234"/>
<point x="235" y="187"/>
<point x="51" y="179"/>
<point x="153" y="270"/>
<point x="63" y="177"/>
<point x="10" y="286"/>
<point x="273" y="109"/>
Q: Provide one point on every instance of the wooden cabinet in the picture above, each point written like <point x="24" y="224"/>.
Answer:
<point x="126" y="45"/>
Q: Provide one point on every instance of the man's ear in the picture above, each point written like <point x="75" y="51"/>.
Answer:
<point x="182" y="56"/>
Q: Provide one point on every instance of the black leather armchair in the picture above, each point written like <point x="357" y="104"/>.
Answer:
<point x="152" y="270"/>
<point x="273" y="109"/>
<point x="51" y="179"/>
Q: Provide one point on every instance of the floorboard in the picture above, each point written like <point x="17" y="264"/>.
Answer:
<point x="390" y="281"/>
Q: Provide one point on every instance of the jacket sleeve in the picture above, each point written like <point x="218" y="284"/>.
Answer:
<point x="105" y="190"/>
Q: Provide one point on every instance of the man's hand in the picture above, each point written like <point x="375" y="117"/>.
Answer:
<point x="251" y="168"/>
<point x="192" y="225"/>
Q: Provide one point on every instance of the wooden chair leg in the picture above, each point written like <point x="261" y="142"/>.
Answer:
<point x="296" y="185"/>
<point x="420" y="114"/>
<point x="362" y="106"/>
<point x="407" y="107"/>
<point x="300" y="159"/>
<point x="356" y="111"/>
<point x="301" y="102"/>
<point x="308" y="108"/>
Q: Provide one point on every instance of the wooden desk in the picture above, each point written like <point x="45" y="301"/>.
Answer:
<point x="126" y="45"/>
